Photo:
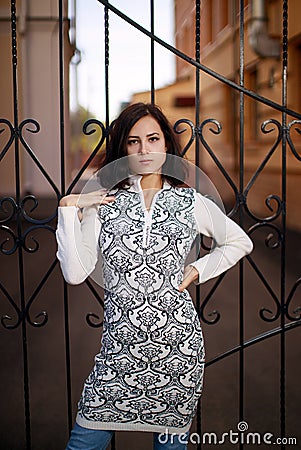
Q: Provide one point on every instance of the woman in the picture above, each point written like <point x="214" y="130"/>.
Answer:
<point x="148" y="374"/>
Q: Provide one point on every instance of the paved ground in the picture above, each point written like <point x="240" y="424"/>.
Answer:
<point x="220" y="402"/>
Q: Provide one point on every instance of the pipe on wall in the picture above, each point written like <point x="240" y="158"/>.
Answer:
<point x="263" y="45"/>
<point x="23" y="17"/>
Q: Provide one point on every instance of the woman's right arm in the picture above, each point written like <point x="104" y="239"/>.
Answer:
<point x="77" y="235"/>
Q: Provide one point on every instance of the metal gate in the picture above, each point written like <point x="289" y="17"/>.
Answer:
<point x="26" y="346"/>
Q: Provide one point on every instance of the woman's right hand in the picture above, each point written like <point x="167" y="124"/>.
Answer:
<point x="83" y="200"/>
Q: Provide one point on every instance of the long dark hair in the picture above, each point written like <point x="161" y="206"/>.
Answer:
<point x="117" y="175"/>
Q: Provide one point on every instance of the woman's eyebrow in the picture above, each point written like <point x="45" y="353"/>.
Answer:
<point x="148" y="135"/>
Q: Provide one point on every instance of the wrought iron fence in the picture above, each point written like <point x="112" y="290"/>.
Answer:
<point x="18" y="224"/>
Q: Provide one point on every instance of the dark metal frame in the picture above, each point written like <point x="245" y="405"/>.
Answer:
<point x="15" y="209"/>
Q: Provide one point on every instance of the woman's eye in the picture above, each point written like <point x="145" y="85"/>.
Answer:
<point x="132" y="142"/>
<point x="154" y="139"/>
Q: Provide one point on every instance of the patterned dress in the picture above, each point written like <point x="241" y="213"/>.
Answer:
<point x="149" y="372"/>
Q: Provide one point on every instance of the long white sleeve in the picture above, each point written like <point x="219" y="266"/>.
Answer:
<point x="77" y="243"/>
<point x="231" y="243"/>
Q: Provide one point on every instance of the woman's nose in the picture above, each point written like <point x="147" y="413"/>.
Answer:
<point x="144" y="148"/>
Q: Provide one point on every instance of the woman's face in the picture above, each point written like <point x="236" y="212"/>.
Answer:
<point x="146" y="146"/>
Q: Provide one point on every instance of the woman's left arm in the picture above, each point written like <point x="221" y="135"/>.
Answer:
<point x="230" y="242"/>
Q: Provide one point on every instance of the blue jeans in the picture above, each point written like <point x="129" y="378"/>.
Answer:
<point x="87" y="439"/>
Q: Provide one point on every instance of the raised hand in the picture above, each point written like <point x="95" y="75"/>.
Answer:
<point x="83" y="200"/>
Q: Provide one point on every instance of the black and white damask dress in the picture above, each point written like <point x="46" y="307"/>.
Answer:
<point x="148" y="374"/>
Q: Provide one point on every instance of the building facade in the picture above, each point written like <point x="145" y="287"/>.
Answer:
<point x="220" y="51"/>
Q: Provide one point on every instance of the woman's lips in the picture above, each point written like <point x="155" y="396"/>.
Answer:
<point x="145" y="161"/>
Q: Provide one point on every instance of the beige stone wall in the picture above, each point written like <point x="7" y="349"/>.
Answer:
<point x="38" y="92"/>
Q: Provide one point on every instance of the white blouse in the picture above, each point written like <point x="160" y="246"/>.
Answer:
<point x="78" y="247"/>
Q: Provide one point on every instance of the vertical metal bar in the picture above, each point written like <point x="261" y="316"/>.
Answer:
<point x="19" y="225"/>
<point x="107" y="100"/>
<point x="241" y="189"/>
<point x="63" y="187"/>
<point x="197" y="72"/>
<point x="107" y="61"/>
<point x="67" y="357"/>
<point x="197" y="157"/>
<point x="152" y="52"/>
<point x="283" y="246"/>
<point x="61" y="87"/>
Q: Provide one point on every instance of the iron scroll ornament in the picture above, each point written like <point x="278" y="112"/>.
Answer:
<point x="90" y="127"/>
<point x="272" y="197"/>
<point x="10" y="139"/>
<point x="18" y="239"/>
<point x="291" y="126"/>
<point x="179" y="130"/>
<point x="10" y="210"/>
<point x="21" y="242"/>
<point x="216" y="128"/>
<point x="88" y="130"/>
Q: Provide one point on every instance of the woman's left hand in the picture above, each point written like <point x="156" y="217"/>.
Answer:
<point x="190" y="275"/>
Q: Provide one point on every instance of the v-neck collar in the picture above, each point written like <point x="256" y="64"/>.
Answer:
<point x="135" y="184"/>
